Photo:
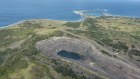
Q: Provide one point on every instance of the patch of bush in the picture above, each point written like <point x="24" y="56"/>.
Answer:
<point x="37" y="72"/>
<point x="119" y="45"/>
<point x="134" y="52"/>
<point x="30" y="24"/>
<point x="3" y="71"/>
<point x="104" y="52"/>
<point x="21" y="64"/>
<point x="73" y="24"/>
<point x="67" y="71"/>
<point x="90" y="23"/>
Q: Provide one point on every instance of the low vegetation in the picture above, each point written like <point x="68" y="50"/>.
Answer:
<point x="121" y="35"/>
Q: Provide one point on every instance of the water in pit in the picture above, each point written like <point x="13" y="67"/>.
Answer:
<point x="69" y="54"/>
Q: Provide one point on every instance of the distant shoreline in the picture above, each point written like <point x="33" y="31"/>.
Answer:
<point x="22" y="21"/>
<point x="82" y="13"/>
<point x="13" y="24"/>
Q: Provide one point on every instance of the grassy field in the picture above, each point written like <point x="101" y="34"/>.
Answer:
<point x="19" y="59"/>
<point x="116" y="33"/>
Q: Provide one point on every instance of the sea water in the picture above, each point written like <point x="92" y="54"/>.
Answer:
<point x="12" y="11"/>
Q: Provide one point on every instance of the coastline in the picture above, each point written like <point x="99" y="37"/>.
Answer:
<point x="16" y="23"/>
<point x="22" y="21"/>
<point x="82" y="18"/>
<point x="83" y="13"/>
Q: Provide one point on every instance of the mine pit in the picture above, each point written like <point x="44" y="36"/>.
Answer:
<point x="74" y="50"/>
<point x="58" y="47"/>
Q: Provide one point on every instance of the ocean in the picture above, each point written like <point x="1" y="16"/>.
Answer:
<point x="12" y="11"/>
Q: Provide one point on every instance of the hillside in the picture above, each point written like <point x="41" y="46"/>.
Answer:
<point x="107" y="47"/>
